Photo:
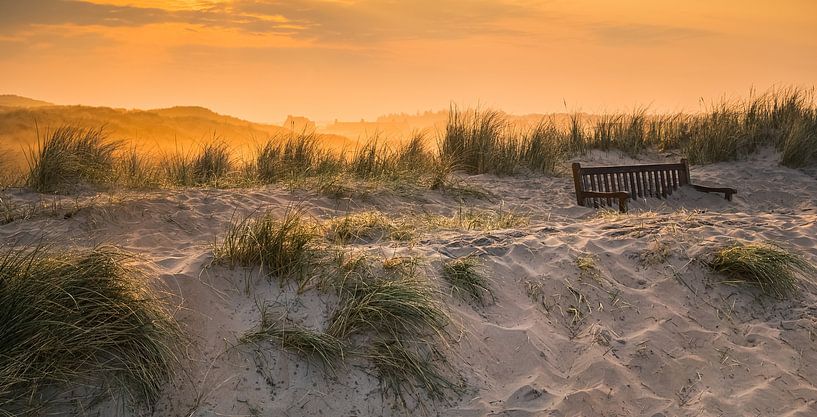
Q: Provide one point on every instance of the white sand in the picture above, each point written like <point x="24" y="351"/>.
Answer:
<point x="649" y="337"/>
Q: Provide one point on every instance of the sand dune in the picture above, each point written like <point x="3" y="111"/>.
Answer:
<point x="646" y="331"/>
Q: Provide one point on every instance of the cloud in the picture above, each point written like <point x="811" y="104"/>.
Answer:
<point x="645" y="34"/>
<point x="329" y="21"/>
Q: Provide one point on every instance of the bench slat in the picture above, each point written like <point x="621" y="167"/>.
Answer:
<point x="664" y="186"/>
<point x="630" y="168"/>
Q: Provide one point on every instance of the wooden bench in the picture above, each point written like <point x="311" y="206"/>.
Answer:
<point x="600" y="186"/>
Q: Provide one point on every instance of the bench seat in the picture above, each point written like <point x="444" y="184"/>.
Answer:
<point x="601" y="186"/>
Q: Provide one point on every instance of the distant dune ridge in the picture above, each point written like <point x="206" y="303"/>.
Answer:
<point x="171" y="129"/>
<point x="11" y="100"/>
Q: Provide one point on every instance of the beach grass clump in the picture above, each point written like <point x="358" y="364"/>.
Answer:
<point x="626" y="132"/>
<point x="212" y="163"/>
<point x="177" y="169"/>
<point x="466" y="279"/>
<point x="367" y="226"/>
<point x="81" y="319"/>
<point x="543" y="148"/>
<point x="69" y="156"/>
<point x="413" y="156"/>
<point x="283" y="246"/>
<point x="372" y="160"/>
<point x="774" y="270"/>
<point x="296" y="156"/>
<point x="404" y="304"/>
<point x="798" y="147"/>
<point x="402" y="371"/>
<point x="476" y="142"/>
<point x="313" y="345"/>
<point x="138" y="170"/>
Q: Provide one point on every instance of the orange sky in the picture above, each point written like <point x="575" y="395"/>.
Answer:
<point x="348" y="59"/>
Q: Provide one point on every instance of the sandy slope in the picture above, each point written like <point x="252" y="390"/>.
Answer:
<point x="648" y="332"/>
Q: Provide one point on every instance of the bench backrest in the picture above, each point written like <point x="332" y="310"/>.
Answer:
<point x="649" y="180"/>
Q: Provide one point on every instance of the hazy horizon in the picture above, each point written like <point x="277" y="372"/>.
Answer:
<point x="353" y="59"/>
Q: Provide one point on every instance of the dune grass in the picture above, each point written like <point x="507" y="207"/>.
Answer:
<point x="474" y="141"/>
<point x="80" y="319"/>
<point x="466" y="279"/>
<point x="477" y="219"/>
<point x="402" y="371"/>
<point x="283" y="246"/>
<point x="138" y="170"/>
<point x="774" y="270"/>
<point x="296" y="156"/>
<point x="212" y="163"/>
<point x="368" y="226"/>
<point x="313" y="345"/>
<point x="404" y="304"/>
<point x="69" y="156"/>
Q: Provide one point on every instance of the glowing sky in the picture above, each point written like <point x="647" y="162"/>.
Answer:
<point x="348" y="59"/>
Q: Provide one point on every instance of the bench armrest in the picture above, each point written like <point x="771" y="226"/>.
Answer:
<point x="727" y="192"/>
<point x="621" y="196"/>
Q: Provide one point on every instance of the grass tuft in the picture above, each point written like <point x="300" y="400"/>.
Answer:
<point x="69" y="156"/>
<point x="402" y="305"/>
<point x="466" y="280"/>
<point x="402" y="371"/>
<point x="282" y="247"/>
<point x="313" y="345"/>
<point x="212" y="164"/>
<point x="80" y="319"/>
<point x="774" y="270"/>
<point x="367" y="226"/>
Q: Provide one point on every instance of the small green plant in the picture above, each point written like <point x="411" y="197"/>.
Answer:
<point x="404" y="304"/>
<point x="84" y="318"/>
<point x="69" y="156"/>
<point x="402" y="371"/>
<point x="313" y="345"/>
<point x="282" y="246"/>
<point x="465" y="278"/>
<point x="774" y="270"/>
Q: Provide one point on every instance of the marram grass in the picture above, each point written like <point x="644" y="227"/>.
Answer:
<point x="70" y="156"/>
<point x="402" y="305"/>
<point x="283" y="246"/>
<point x="313" y="345"/>
<point x="772" y="269"/>
<point x="403" y="371"/>
<point x="368" y="226"/>
<point x="466" y="279"/>
<point x="80" y="319"/>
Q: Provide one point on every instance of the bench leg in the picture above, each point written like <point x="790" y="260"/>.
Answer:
<point x="622" y="205"/>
